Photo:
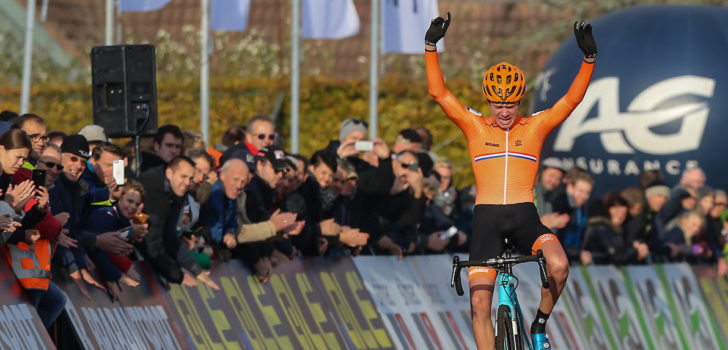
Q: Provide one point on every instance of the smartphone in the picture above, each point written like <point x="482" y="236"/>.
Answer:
<point x="364" y="146"/>
<point x="452" y="231"/>
<point x="39" y="177"/>
<point x="119" y="171"/>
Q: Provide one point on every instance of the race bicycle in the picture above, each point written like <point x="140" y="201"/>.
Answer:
<point x="510" y="331"/>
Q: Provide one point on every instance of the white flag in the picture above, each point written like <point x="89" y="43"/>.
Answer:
<point x="404" y="24"/>
<point x="229" y="15"/>
<point x="329" y="19"/>
<point x="142" y="5"/>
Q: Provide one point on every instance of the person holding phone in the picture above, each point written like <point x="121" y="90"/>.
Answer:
<point x="99" y="175"/>
<point x="29" y="205"/>
<point x="115" y="268"/>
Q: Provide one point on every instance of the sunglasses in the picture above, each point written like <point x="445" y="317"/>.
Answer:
<point x="270" y="137"/>
<point x="52" y="164"/>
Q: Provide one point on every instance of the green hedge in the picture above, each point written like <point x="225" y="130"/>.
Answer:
<point x="324" y="105"/>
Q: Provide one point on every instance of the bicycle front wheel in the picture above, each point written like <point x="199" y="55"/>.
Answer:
<point x="503" y="329"/>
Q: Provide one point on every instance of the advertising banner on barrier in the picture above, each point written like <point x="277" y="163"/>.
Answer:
<point x="626" y="320"/>
<point x="140" y="319"/>
<point x="398" y="297"/>
<point x="715" y="292"/>
<point x="656" y="306"/>
<point x="560" y="328"/>
<point x="587" y="314"/>
<point x="308" y="304"/>
<point x="20" y="326"/>
<point x="453" y="311"/>
<point x="700" y="329"/>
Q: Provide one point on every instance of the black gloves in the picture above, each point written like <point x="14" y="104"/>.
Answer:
<point x="437" y="30"/>
<point x="584" y="38"/>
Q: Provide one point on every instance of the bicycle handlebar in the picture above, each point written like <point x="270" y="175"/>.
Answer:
<point x="500" y="263"/>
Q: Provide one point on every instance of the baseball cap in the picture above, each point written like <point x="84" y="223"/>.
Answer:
<point x="93" y="133"/>
<point x="75" y="144"/>
<point x="275" y="155"/>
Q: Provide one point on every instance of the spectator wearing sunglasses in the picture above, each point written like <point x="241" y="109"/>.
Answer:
<point x="50" y="161"/>
<point x="259" y="132"/>
<point x="68" y="196"/>
<point x="405" y="206"/>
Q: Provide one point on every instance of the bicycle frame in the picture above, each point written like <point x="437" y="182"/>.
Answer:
<point x="506" y="284"/>
<point x="507" y="296"/>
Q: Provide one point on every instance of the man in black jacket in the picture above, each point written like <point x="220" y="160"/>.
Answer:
<point x="166" y="195"/>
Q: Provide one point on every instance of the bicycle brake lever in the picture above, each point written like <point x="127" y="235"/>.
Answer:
<point x="455" y="277"/>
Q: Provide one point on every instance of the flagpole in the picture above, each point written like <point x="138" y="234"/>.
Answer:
<point x="295" y="73"/>
<point x="27" y="57"/>
<point x="373" y="71"/>
<point x="205" y="72"/>
<point x="109" y="32"/>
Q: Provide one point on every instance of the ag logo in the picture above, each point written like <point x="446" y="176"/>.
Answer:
<point x="667" y="102"/>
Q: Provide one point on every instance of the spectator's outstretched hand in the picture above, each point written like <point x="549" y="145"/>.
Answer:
<point x="62" y="217"/>
<point x="346" y="149"/>
<point x="19" y="194"/>
<point x="329" y="227"/>
<point x="112" y="242"/>
<point x="282" y="220"/>
<point x="585" y="39"/>
<point x="295" y="228"/>
<point x="380" y="148"/>
<point x="352" y="237"/>
<point x="66" y="241"/>
<point x="438" y="28"/>
<point x="204" y="277"/>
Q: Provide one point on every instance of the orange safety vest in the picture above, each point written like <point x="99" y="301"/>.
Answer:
<point x="31" y="264"/>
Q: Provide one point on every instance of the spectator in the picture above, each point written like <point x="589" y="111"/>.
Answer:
<point x="319" y="220"/>
<point x="166" y="191"/>
<point x="446" y="195"/>
<point x="260" y="206"/>
<point x="167" y="144"/>
<point x="34" y="126"/>
<point x="205" y="177"/>
<point x="260" y="132"/>
<point x="682" y="241"/>
<point x="693" y="177"/>
<point x="232" y="136"/>
<point x="634" y="226"/>
<point x="351" y="131"/>
<point x="348" y="210"/>
<point x="573" y="202"/>
<point x="192" y="140"/>
<point x="50" y="161"/>
<point x="221" y="207"/>
<point x="649" y="178"/>
<point x="403" y="210"/>
<point x="116" y="268"/>
<point x="25" y="243"/>
<point x="605" y="239"/>
<point x="94" y="135"/>
<point x="56" y="137"/>
<point x="68" y="196"/>
<point x="99" y="175"/>
<point x="548" y="187"/>
<point x="407" y="140"/>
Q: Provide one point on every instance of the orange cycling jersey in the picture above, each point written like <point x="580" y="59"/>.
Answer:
<point x="505" y="162"/>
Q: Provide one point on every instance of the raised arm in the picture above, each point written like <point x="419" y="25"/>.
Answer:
<point x="435" y="81"/>
<point x="565" y="105"/>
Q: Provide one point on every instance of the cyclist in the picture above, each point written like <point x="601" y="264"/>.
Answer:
<point x="505" y="150"/>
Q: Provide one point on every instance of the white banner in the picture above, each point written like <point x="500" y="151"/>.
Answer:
<point x="329" y="19"/>
<point x="696" y="319"/>
<point x="404" y="24"/>
<point x="142" y="5"/>
<point x="229" y="15"/>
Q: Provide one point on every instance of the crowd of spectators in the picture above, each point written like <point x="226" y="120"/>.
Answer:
<point x="247" y="198"/>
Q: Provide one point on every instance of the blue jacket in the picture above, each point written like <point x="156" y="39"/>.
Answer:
<point x="220" y="213"/>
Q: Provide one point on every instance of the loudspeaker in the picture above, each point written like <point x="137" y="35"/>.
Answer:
<point x="124" y="84"/>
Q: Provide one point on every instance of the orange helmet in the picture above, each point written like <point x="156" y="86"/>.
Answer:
<point x="504" y="83"/>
